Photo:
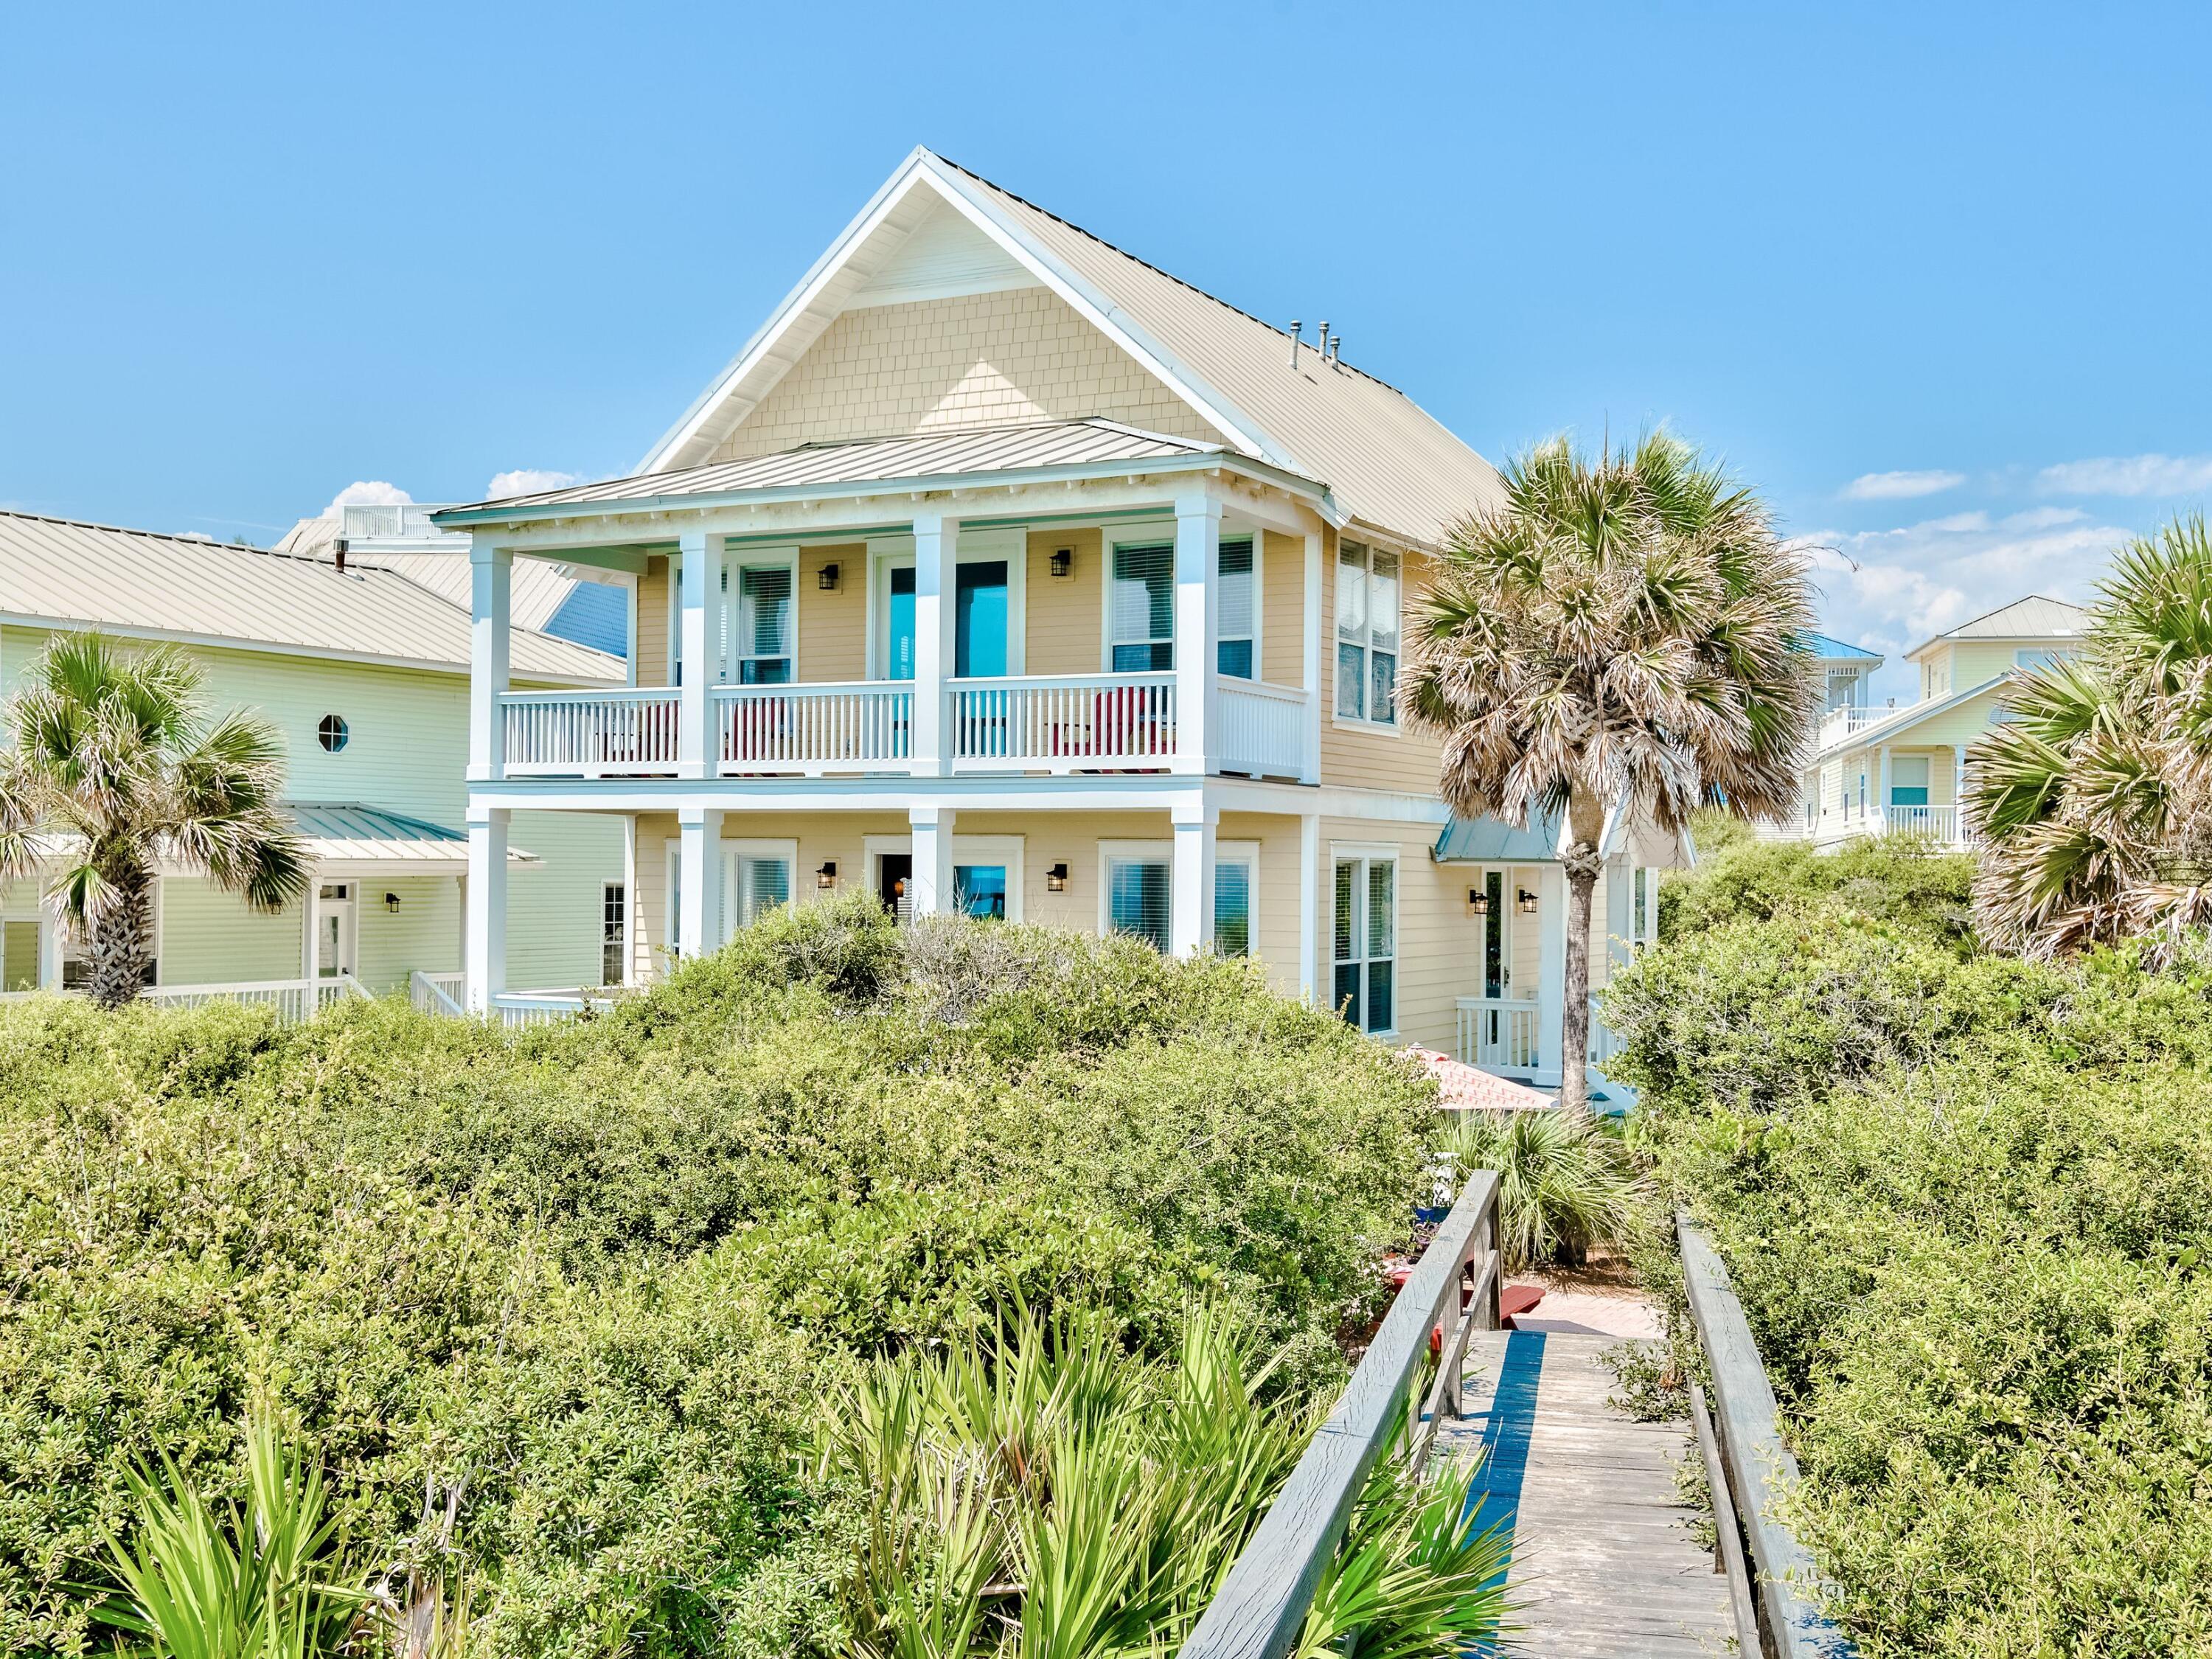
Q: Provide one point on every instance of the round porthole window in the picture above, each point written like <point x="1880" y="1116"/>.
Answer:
<point x="331" y="732"/>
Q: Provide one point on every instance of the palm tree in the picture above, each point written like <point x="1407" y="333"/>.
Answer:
<point x="2092" y="794"/>
<point x="1622" y="632"/>
<point x="113" y="766"/>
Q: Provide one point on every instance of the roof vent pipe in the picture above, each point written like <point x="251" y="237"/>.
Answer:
<point x="1321" y="344"/>
<point x="1335" y="347"/>
<point x="341" y="546"/>
<point x="1295" y="326"/>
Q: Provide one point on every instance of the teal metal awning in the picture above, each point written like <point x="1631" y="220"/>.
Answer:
<point x="350" y="833"/>
<point x="1493" y="841"/>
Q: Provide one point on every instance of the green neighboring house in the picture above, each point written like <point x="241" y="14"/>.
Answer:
<point x="365" y="671"/>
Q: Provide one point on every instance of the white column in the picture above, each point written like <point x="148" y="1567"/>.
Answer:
<point x="630" y="899"/>
<point x="932" y="856"/>
<point x="1620" y="911"/>
<point x="491" y="571"/>
<point x="1197" y="627"/>
<point x="699" y="637"/>
<point x="1190" y="897"/>
<point x="1310" y="963"/>
<point x="1881" y="786"/>
<point x="699" y="878"/>
<point x="484" y="962"/>
<point x="936" y="574"/>
<point x="1309" y="770"/>
<point x="630" y="626"/>
<point x="1551" y="969"/>
<point x="308" y="906"/>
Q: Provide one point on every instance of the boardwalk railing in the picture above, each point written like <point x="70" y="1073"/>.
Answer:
<point x="1752" y="1473"/>
<point x="1262" y="1602"/>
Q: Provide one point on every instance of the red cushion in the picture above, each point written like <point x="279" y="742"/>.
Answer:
<point x="1518" y="1299"/>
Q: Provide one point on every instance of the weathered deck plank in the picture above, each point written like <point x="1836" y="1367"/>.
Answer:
<point x="1604" y="1564"/>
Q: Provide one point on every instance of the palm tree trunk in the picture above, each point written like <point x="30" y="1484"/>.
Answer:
<point x="121" y="947"/>
<point x="1585" y="824"/>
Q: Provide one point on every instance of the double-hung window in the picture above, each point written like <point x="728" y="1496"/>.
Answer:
<point x="1366" y="953"/>
<point x="1366" y="634"/>
<point x="1235" y="884"/>
<point x="760" y="644"/>
<point x="1238" y="611"/>
<point x="1140" y="611"/>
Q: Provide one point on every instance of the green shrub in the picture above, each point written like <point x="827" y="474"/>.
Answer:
<point x="1967" y="1203"/>
<point x="583" y="1286"/>
<point x="1566" y="1182"/>
<point x="1895" y="879"/>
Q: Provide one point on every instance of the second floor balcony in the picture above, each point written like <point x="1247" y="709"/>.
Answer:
<point x="1052" y="724"/>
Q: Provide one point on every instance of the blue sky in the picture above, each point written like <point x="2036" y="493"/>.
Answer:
<point x="1932" y="276"/>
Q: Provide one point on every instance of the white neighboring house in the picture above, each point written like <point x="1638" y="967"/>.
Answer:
<point x="1899" y="768"/>
<point x="364" y="672"/>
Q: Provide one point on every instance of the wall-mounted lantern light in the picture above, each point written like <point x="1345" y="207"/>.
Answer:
<point x="826" y="578"/>
<point x="391" y="902"/>
<point x="1478" y="902"/>
<point x="1063" y="560"/>
<point x="826" y="877"/>
<point x="1056" y="879"/>
<point x="1527" y="903"/>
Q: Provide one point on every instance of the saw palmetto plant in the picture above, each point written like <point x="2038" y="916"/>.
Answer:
<point x="1040" y="1493"/>
<point x="1622" y="634"/>
<point x="2092" y="795"/>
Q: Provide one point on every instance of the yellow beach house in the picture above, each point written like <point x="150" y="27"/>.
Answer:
<point x="364" y="672"/>
<point x="1002" y="570"/>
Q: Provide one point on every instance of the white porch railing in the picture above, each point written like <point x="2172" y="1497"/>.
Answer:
<point x="292" y="998"/>
<point x="1603" y="1044"/>
<point x="591" y="734"/>
<point x="1498" y="1033"/>
<point x="1263" y="728"/>
<point x="1938" y="822"/>
<point x="1062" y="723"/>
<point x="542" y="1007"/>
<point x="435" y="994"/>
<point x="812" y="729"/>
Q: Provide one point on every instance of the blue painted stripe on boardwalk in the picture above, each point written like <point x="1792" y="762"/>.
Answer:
<point x="1495" y="1500"/>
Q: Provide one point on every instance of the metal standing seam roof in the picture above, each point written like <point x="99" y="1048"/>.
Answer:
<point x="537" y="587"/>
<point x="338" y="832"/>
<point x="2037" y="617"/>
<point x="1386" y="460"/>
<point x="1828" y="648"/>
<point x="1493" y="841"/>
<point x="61" y="572"/>
<point x="867" y="460"/>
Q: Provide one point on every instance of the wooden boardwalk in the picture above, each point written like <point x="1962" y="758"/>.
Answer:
<point x="1605" y="1565"/>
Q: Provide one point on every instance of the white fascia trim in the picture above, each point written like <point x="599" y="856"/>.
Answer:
<point x="318" y="653"/>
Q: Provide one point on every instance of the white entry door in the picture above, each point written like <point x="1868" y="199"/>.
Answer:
<point x="337" y="929"/>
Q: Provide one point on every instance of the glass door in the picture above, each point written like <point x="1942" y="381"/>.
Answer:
<point x="337" y="929"/>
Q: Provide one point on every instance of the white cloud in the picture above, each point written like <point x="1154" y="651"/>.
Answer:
<point x="367" y="492"/>
<point x="1889" y="590"/>
<point x="1900" y="486"/>
<point x="2129" y="475"/>
<point x="528" y="481"/>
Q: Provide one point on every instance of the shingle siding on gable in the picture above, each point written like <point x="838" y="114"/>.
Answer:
<point x="979" y="359"/>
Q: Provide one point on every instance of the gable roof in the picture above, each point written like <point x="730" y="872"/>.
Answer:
<point x="1388" y="464"/>
<point x="539" y="587"/>
<point x="2035" y="617"/>
<point x="60" y="572"/>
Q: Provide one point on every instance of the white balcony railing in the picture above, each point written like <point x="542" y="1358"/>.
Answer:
<point x="362" y="521"/>
<point x="1498" y="1033"/>
<point x="590" y="735"/>
<point x="1263" y="728"/>
<point x="435" y="994"/>
<point x="1064" y="723"/>
<point x="810" y="730"/>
